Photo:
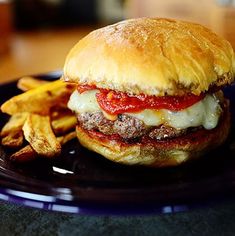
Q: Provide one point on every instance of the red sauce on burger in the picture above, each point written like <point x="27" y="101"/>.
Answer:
<point x="114" y="102"/>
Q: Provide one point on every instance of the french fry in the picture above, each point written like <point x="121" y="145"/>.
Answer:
<point x="67" y="137"/>
<point x="24" y="154"/>
<point x="38" y="132"/>
<point x="14" y="139"/>
<point x="41" y="99"/>
<point x="28" y="154"/>
<point x="26" y="83"/>
<point x="37" y="115"/>
<point x="58" y="112"/>
<point x="15" y="123"/>
<point x="64" y="124"/>
<point x="11" y="133"/>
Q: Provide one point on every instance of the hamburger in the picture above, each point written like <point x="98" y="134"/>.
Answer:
<point x="149" y="91"/>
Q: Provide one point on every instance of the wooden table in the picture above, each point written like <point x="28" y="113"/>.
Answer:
<point x="38" y="52"/>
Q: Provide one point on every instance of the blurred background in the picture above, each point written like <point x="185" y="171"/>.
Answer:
<point x="36" y="35"/>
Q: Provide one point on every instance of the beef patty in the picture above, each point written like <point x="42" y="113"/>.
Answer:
<point x="126" y="127"/>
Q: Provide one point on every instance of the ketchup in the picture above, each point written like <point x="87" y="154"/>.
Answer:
<point x="114" y="102"/>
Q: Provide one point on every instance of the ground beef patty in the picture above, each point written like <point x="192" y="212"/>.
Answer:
<point x="126" y="126"/>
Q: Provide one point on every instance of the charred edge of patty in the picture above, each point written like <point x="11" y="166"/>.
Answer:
<point x="195" y="136"/>
<point x="129" y="129"/>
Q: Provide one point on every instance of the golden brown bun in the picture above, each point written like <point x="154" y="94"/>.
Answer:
<point x="157" y="154"/>
<point x="153" y="56"/>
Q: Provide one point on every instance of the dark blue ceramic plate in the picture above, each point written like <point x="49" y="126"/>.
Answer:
<point x="81" y="181"/>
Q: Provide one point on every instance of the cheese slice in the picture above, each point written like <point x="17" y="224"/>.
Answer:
<point x="204" y="113"/>
<point x="84" y="102"/>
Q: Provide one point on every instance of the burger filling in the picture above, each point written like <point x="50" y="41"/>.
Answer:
<point x="132" y="117"/>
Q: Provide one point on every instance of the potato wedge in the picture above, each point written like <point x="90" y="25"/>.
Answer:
<point x="58" y="112"/>
<point x="64" y="124"/>
<point x="67" y="137"/>
<point x="15" y="123"/>
<point x="11" y="133"/>
<point x="24" y="154"/>
<point x="14" y="139"/>
<point x="41" y="99"/>
<point x="28" y="154"/>
<point x="38" y="132"/>
<point x="26" y="83"/>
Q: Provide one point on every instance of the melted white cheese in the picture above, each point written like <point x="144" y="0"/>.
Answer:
<point x="204" y="113"/>
<point x="84" y="102"/>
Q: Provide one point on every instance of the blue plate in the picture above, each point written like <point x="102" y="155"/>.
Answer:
<point x="80" y="181"/>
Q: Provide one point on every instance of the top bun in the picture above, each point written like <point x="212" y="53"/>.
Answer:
<point x="153" y="56"/>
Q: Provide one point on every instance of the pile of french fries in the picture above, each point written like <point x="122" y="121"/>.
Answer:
<point x="40" y="123"/>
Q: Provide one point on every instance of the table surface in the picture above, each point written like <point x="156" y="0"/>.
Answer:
<point x="19" y="220"/>
<point x="38" y="51"/>
<point x="43" y="51"/>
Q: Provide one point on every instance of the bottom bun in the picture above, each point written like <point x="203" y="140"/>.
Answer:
<point x="157" y="153"/>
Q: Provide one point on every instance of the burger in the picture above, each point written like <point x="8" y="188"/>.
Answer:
<point x="149" y="91"/>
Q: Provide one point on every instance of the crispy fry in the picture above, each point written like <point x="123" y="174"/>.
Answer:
<point x="57" y="112"/>
<point x="67" y="137"/>
<point x="41" y="99"/>
<point x="28" y="154"/>
<point x="15" y="123"/>
<point x="12" y="135"/>
<point x="64" y="124"/>
<point x="24" y="154"/>
<point x="14" y="139"/>
<point x="26" y="83"/>
<point x="37" y="131"/>
<point x="31" y="112"/>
